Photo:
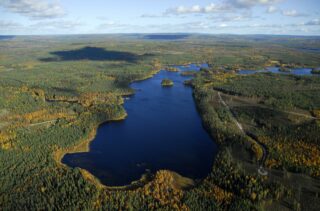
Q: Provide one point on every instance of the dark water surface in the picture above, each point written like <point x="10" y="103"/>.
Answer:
<point x="294" y="71"/>
<point x="163" y="130"/>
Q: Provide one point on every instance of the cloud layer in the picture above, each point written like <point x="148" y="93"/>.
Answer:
<point x="37" y="9"/>
<point x="224" y="6"/>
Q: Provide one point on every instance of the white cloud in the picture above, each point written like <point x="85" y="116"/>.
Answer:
<point x="151" y="16"/>
<point x="246" y="16"/>
<point x="8" y="24"/>
<point x="108" y="23"/>
<point x="196" y="9"/>
<point x="289" y="12"/>
<point x="7" y="27"/>
<point x="251" y="3"/>
<point x="224" y="6"/>
<point x="36" y="9"/>
<point x="292" y="13"/>
<point x="215" y="8"/>
<point x="272" y="9"/>
<point x="314" y="22"/>
<point x="223" y="25"/>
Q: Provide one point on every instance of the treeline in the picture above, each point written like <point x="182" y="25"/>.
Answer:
<point x="280" y="91"/>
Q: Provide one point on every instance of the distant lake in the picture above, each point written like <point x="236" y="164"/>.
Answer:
<point x="294" y="71"/>
<point x="6" y="37"/>
<point x="163" y="130"/>
<point x="311" y="50"/>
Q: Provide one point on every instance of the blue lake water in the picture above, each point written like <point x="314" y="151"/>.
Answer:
<point x="294" y="71"/>
<point x="163" y="130"/>
<point x="311" y="50"/>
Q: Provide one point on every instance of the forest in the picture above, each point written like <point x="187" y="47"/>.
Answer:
<point x="277" y="112"/>
<point x="55" y="91"/>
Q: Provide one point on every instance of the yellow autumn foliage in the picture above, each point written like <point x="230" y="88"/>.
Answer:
<point x="223" y="77"/>
<point x="29" y="65"/>
<point x="272" y="163"/>
<point x="156" y="64"/>
<point x="164" y="189"/>
<point x="221" y="196"/>
<point x="316" y="113"/>
<point x="298" y="153"/>
<point x="42" y="115"/>
<point x="35" y="92"/>
<point x="257" y="150"/>
<point x="92" y="98"/>
<point x="6" y="138"/>
<point x="105" y="77"/>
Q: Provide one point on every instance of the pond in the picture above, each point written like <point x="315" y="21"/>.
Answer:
<point x="163" y="130"/>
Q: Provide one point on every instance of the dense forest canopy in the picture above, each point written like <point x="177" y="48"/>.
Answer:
<point x="55" y="91"/>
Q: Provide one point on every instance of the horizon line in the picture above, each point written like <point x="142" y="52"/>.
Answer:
<point x="164" y="33"/>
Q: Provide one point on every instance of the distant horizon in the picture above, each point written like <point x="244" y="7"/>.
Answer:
<point x="160" y="33"/>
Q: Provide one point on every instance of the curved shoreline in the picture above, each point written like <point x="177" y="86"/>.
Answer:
<point x="84" y="146"/>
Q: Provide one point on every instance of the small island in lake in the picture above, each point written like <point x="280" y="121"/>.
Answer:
<point x="167" y="82"/>
<point x="172" y="69"/>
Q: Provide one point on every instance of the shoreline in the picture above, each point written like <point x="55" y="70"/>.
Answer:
<point x="84" y="146"/>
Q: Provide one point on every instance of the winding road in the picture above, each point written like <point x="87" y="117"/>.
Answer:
<point x="262" y="146"/>
<point x="261" y="170"/>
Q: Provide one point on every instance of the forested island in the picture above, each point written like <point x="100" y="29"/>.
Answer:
<point x="167" y="82"/>
<point x="315" y="71"/>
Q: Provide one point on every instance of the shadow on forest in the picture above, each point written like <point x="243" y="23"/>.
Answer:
<point x="264" y="117"/>
<point x="92" y="53"/>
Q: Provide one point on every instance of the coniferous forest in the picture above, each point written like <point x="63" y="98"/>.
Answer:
<point x="56" y="91"/>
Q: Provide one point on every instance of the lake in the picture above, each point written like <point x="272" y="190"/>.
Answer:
<point x="163" y="130"/>
<point x="294" y="71"/>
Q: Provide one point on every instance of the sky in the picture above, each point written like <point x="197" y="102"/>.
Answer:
<point x="39" y="17"/>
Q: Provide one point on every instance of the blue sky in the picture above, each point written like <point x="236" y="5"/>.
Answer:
<point x="294" y="17"/>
